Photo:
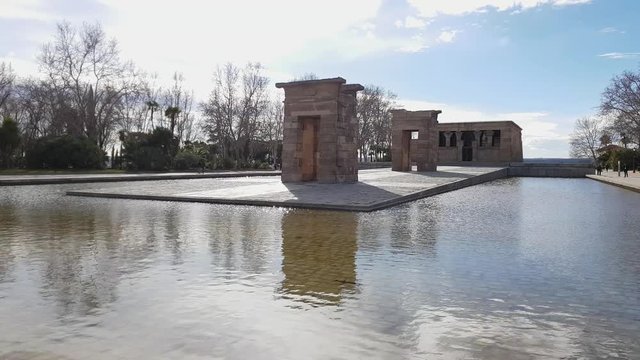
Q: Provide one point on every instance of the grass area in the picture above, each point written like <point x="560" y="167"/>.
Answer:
<point x="58" y="172"/>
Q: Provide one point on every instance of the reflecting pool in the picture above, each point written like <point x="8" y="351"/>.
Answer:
<point x="518" y="268"/>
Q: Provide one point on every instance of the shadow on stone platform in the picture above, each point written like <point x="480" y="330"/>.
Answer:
<point x="376" y="190"/>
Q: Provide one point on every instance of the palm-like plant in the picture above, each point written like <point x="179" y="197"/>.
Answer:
<point x="152" y="105"/>
<point x="172" y="112"/>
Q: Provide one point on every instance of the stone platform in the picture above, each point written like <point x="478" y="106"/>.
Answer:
<point x="611" y="177"/>
<point x="377" y="189"/>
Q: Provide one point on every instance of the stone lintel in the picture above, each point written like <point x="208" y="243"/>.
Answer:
<point x="352" y="88"/>
<point x="418" y="113"/>
<point x="284" y="85"/>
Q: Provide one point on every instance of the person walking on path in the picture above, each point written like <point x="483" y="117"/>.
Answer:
<point x="625" y="170"/>
<point x="599" y="170"/>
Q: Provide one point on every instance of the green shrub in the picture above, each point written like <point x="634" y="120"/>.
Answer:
<point x="149" y="151"/>
<point x="187" y="160"/>
<point x="149" y="158"/>
<point x="227" y="163"/>
<point x="64" y="152"/>
<point x="9" y="141"/>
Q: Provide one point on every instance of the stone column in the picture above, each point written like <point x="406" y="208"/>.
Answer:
<point x="489" y="136"/>
<point x="459" y="144"/>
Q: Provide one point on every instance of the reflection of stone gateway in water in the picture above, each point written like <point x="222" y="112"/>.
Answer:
<point x="319" y="252"/>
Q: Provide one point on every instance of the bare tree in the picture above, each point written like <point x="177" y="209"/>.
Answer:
<point x="374" y="116"/>
<point x="131" y="112"/>
<point x="87" y="65"/>
<point x="273" y="126"/>
<point x="186" y="127"/>
<point x="35" y="114"/>
<point x="178" y="104"/>
<point x="621" y="99"/>
<point x="585" y="138"/>
<point x="152" y="98"/>
<point x="7" y="78"/>
<point x="305" y="77"/>
<point x="238" y="103"/>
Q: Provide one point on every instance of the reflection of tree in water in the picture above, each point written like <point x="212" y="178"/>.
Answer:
<point x="411" y="229"/>
<point x="393" y="240"/>
<point x="239" y="237"/>
<point x="319" y="253"/>
<point x="172" y="239"/>
<point x="415" y="229"/>
<point x="8" y="219"/>
<point x="83" y="252"/>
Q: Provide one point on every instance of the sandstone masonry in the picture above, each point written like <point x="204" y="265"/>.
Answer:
<point x="404" y="149"/>
<point x="320" y="128"/>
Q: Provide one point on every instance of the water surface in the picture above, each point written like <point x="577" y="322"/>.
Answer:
<point x="514" y="269"/>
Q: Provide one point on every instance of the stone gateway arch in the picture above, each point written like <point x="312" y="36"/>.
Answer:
<point x="320" y="130"/>
<point x="425" y="147"/>
<point x="321" y="127"/>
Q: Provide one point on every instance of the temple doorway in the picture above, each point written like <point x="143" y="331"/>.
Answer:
<point x="309" y="149"/>
<point x="406" y="150"/>
<point x="467" y="145"/>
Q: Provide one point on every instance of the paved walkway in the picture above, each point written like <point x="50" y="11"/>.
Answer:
<point x="8" y="180"/>
<point x="377" y="189"/>
<point x="611" y="177"/>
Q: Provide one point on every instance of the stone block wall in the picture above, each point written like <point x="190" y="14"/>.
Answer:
<point x="329" y="105"/>
<point x="425" y="147"/>
<point x="508" y="150"/>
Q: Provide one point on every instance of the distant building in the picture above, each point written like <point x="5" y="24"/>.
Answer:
<point x="479" y="142"/>
<point x="419" y="139"/>
<point x="491" y="142"/>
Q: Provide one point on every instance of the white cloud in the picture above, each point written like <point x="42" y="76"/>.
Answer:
<point x="243" y="29"/>
<point x="411" y="22"/>
<point x="542" y="134"/>
<point x="415" y="44"/>
<point x="19" y="65"/>
<point x="447" y="36"/>
<point x="198" y="35"/>
<point x="432" y="8"/>
<point x="611" y="30"/>
<point x="22" y="9"/>
<point x="620" y="55"/>
<point x="195" y="37"/>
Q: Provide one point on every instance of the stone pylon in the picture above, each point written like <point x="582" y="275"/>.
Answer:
<point x="320" y="129"/>
<point x="403" y="124"/>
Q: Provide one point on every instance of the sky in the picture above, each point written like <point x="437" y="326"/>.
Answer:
<point x="540" y="63"/>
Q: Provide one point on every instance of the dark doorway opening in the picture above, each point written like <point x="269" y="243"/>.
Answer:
<point x="467" y="145"/>
<point x="407" y="135"/>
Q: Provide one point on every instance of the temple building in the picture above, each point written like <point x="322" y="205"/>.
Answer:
<point x="490" y="142"/>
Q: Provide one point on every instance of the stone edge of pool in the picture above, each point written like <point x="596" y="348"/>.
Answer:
<point x="22" y="180"/>
<point x="400" y="199"/>
<point x="625" y="184"/>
